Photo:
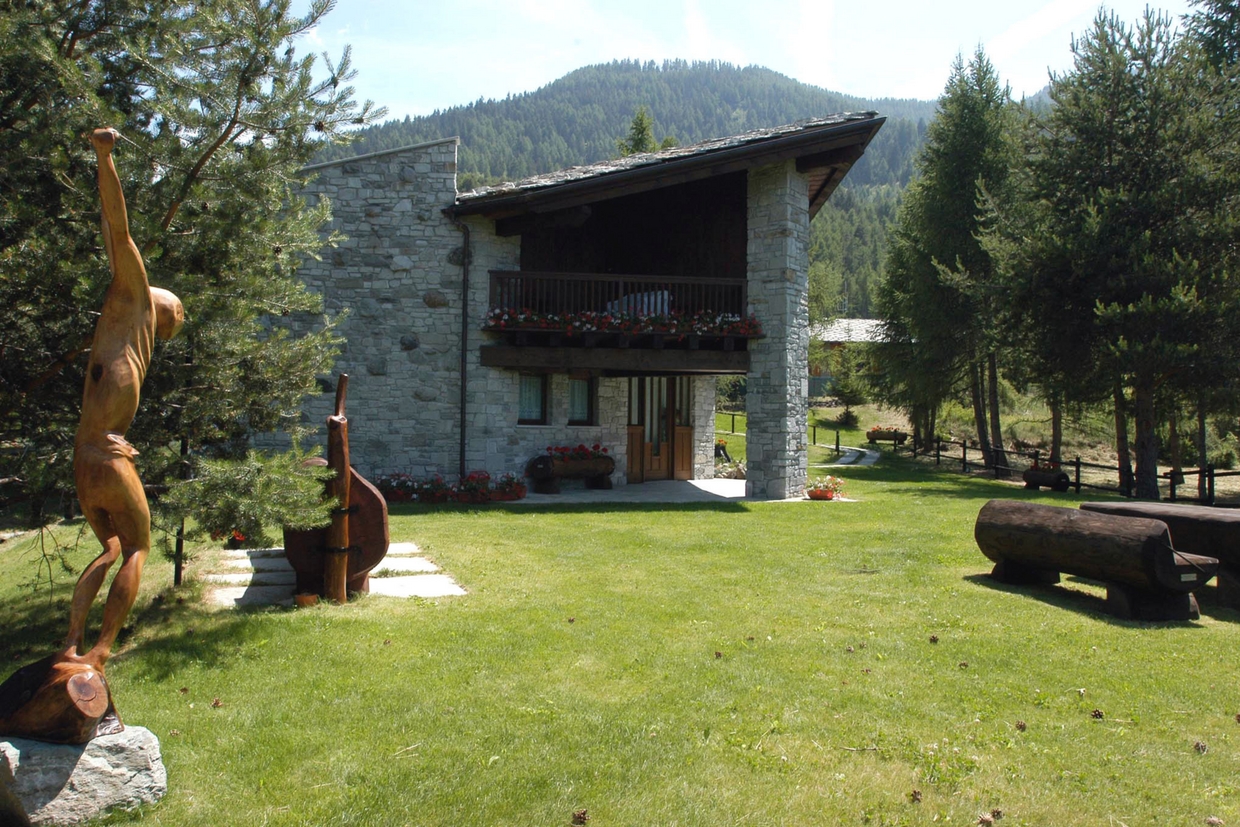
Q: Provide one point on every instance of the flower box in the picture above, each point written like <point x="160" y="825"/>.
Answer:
<point x="820" y="495"/>
<point x="886" y="435"/>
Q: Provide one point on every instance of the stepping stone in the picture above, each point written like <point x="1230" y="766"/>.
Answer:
<point x="418" y="585"/>
<point x="241" y="578"/>
<point x="259" y="563"/>
<point x="419" y="565"/>
<point x="252" y="596"/>
<point x="403" y="549"/>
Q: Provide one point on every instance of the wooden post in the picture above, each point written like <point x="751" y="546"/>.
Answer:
<point x="336" y="559"/>
<point x="1210" y="483"/>
<point x="964" y="458"/>
<point x="1077" y="463"/>
<point x="938" y="450"/>
<point x="814" y="439"/>
<point x="837" y="441"/>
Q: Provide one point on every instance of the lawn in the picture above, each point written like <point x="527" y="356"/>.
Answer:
<point x="788" y="663"/>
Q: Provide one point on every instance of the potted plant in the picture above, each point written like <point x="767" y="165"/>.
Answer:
<point x="397" y="488"/>
<point x="508" y="487"/>
<point x="433" y="490"/>
<point x="826" y="488"/>
<point x="474" y="487"/>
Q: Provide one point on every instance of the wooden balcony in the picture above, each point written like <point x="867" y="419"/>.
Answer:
<point x="617" y="324"/>
<point x="602" y="293"/>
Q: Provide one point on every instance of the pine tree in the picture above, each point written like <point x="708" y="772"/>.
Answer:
<point x="217" y="113"/>
<point x="1135" y="184"/>
<point x="941" y="286"/>
<point x="641" y="136"/>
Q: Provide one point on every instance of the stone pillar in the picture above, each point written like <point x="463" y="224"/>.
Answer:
<point x="778" y="379"/>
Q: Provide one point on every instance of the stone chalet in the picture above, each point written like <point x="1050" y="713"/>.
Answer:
<point x="592" y="305"/>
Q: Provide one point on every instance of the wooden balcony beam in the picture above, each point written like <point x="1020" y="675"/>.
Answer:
<point x="615" y="361"/>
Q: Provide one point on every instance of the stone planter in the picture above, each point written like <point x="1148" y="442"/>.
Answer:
<point x="820" y="495"/>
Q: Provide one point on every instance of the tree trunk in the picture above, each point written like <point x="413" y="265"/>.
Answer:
<point x="1173" y="443"/>
<point x="1056" y="403"/>
<point x="979" y="414"/>
<point x="1203" y="458"/>
<point x="1146" y="440"/>
<point x="996" y="432"/>
<point x="1121" y="441"/>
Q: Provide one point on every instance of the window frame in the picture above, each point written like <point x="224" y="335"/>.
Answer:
<point x="544" y="391"/>
<point x="591" y="417"/>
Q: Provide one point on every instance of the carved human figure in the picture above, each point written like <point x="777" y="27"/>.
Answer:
<point x="108" y="487"/>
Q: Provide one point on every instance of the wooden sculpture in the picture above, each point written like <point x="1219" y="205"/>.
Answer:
<point x="335" y="561"/>
<point x="64" y="698"/>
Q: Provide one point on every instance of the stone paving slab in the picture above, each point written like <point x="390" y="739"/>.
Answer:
<point x="418" y="585"/>
<point x="242" y="578"/>
<point x="419" y="565"/>
<point x="403" y="549"/>
<point x="259" y="563"/>
<point x="236" y="596"/>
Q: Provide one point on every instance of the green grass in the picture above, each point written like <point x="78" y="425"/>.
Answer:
<point x="765" y="664"/>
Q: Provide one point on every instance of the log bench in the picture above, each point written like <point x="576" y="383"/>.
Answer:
<point x="1145" y="577"/>
<point x="1196" y="529"/>
<point x="545" y="472"/>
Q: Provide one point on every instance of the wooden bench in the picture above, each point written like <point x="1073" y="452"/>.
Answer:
<point x="1196" y="529"/>
<point x="545" y="472"/>
<point x="1146" y="578"/>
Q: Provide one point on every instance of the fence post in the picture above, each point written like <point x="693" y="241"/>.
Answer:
<point x="837" y="441"/>
<point x="964" y="458"/>
<point x="938" y="449"/>
<point x="1078" y="476"/>
<point x="814" y="438"/>
<point x="1210" y="483"/>
<point x="1171" y="484"/>
<point x="733" y="422"/>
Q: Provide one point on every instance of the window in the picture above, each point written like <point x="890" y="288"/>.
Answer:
<point x="581" y="402"/>
<point x="532" y="405"/>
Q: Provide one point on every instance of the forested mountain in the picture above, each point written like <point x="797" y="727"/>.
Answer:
<point x="578" y="119"/>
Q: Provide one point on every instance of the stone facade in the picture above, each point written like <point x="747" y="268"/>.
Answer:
<point x="400" y="274"/>
<point x="415" y="284"/>
<point x="777" y="387"/>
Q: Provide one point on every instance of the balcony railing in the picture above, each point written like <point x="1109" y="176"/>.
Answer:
<point x="638" y="295"/>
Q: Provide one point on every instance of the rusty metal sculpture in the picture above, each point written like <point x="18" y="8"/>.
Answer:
<point x="335" y="561"/>
<point x="64" y="698"/>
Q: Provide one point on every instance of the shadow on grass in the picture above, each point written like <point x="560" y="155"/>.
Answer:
<point x="1077" y="601"/>
<point x="722" y="506"/>
<point x="170" y="631"/>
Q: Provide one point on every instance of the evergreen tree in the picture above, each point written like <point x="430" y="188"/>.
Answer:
<point x="217" y="113"/>
<point x="943" y="289"/>
<point x="1135" y="177"/>
<point x="641" y="136"/>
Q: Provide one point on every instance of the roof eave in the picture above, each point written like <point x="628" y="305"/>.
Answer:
<point x="676" y="170"/>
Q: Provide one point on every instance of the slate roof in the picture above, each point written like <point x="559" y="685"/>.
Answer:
<point x="676" y="157"/>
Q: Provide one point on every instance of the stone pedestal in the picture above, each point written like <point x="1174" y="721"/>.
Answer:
<point x="69" y="784"/>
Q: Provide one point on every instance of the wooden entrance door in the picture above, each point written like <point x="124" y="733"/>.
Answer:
<point x="660" y="435"/>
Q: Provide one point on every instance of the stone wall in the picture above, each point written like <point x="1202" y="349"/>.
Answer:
<point x="703" y="390"/>
<point x="496" y="442"/>
<point x="777" y="387"/>
<point x="398" y="274"/>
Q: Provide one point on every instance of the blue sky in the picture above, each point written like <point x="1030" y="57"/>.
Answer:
<point x="415" y="56"/>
